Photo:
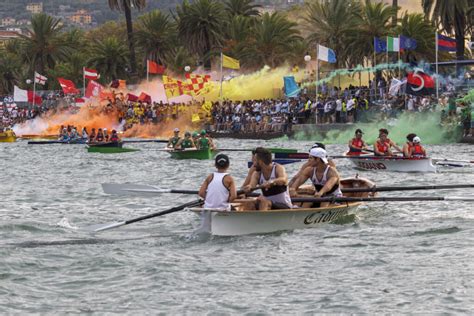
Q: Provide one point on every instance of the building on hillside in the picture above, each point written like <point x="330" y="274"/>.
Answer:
<point x="8" y="21"/>
<point x="6" y="36"/>
<point x="23" y="22"/>
<point x="34" y="8"/>
<point x="81" y="17"/>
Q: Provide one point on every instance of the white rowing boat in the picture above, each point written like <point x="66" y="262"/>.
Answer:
<point x="245" y="221"/>
<point x="395" y="163"/>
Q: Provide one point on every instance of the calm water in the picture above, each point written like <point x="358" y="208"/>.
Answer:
<point x="409" y="257"/>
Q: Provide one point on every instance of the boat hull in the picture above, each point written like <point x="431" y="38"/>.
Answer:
<point x="398" y="164"/>
<point x="202" y="154"/>
<point x="110" y="150"/>
<point x="4" y="138"/>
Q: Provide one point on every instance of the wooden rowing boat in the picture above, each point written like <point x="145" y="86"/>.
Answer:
<point x="7" y="137"/>
<point x="109" y="148"/>
<point x="192" y="153"/>
<point x="245" y="221"/>
<point x="395" y="163"/>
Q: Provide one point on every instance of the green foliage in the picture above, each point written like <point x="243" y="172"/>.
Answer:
<point x="110" y="58"/>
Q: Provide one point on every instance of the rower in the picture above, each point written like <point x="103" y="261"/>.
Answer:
<point x="272" y="179"/>
<point x="408" y="145"/>
<point x="357" y="144"/>
<point x="195" y="137"/>
<point x="84" y="134"/>
<point x="325" y="178"/>
<point x="383" y="144"/>
<point x="308" y="163"/>
<point x="64" y="135"/>
<point x="417" y="150"/>
<point x="100" y="136"/>
<point x="186" y="142"/>
<point x="252" y="169"/>
<point x="205" y="142"/>
<point x="114" y="138"/>
<point x="218" y="190"/>
<point x="92" y="136"/>
<point x="212" y="145"/>
<point x="174" y="140"/>
<point x="106" y="136"/>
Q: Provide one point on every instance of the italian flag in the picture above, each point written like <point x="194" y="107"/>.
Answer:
<point x="393" y="44"/>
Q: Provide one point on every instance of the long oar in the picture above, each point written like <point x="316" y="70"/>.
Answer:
<point x="101" y="227"/>
<point x="409" y="188"/>
<point x="272" y="150"/>
<point x="451" y="160"/>
<point x="384" y="199"/>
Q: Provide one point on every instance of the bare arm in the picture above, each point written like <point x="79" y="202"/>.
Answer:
<point x="333" y="179"/>
<point x="178" y="144"/>
<point x="376" y="150"/>
<point x="406" y="152"/>
<point x="230" y="184"/>
<point x="395" y="146"/>
<point x="203" y="189"/>
<point x="303" y="167"/>
<point x="282" y="177"/>
<point x="302" y="178"/>
<point x="249" y="176"/>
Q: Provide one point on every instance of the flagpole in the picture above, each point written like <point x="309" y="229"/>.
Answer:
<point x="399" y="64"/>
<point x="375" y="73"/>
<point x="317" y="74"/>
<point x="437" y="79"/>
<point x="83" y="81"/>
<point x="222" y="63"/>
<point x="34" y="90"/>
<point x="147" y="70"/>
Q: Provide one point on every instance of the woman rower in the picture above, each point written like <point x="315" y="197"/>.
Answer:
<point x="218" y="190"/>
<point x="417" y="150"/>
<point x="383" y="144"/>
<point x="114" y="138"/>
<point x="357" y="144"/>
<point x="92" y="136"/>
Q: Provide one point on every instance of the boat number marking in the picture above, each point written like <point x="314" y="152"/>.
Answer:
<point x="371" y="165"/>
<point x="316" y="218"/>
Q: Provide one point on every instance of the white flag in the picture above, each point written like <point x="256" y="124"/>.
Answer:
<point x="40" y="79"/>
<point x="326" y="54"/>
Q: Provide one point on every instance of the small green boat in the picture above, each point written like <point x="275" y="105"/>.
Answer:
<point x="201" y="154"/>
<point x="109" y="148"/>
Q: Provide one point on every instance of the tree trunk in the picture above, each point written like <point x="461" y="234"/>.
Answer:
<point x="131" y="44"/>
<point x="459" y="28"/>
<point x="395" y="17"/>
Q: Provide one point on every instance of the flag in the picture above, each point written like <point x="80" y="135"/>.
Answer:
<point x="380" y="45"/>
<point x="229" y="62"/>
<point x="326" y="54"/>
<point x="154" y="68"/>
<point x="40" y="79"/>
<point x="207" y="107"/>
<point x="195" y="118"/>
<point x="68" y="86"/>
<point x="446" y="44"/>
<point x="393" y="44"/>
<point x="93" y="89"/>
<point x="173" y="87"/>
<point x="395" y="86"/>
<point x="144" y="98"/>
<point x="20" y="95"/>
<point x="79" y="101"/>
<point x="196" y="84"/>
<point x="291" y="88"/>
<point x="132" y="97"/>
<point x="407" y="43"/>
<point x="91" y="74"/>
<point x="420" y="83"/>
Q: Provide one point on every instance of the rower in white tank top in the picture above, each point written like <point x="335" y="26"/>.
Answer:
<point x="217" y="195"/>
<point x="277" y="193"/>
<point x="319" y="184"/>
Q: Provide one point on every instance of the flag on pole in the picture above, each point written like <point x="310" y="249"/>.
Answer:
<point x="91" y="74"/>
<point x="229" y="62"/>
<point x="155" y="68"/>
<point x="20" y="95"/>
<point x="68" y="86"/>
<point x="420" y="83"/>
<point x="407" y="43"/>
<point x="173" y="87"/>
<point x="446" y="44"/>
<point x="326" y="54"/>
<point x="380" y="45"/>
<point x="393" y="44"/>
<point x="196" y="84"/>
<point x="291" y="87"/>
<point x="93" y="89"/>
<point x="40" y="79"/>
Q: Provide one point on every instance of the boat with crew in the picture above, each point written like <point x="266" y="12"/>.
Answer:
<point x="392" y="163"/>
<point x="245" y="220"/>
<point x="7" y="136"/>
<point x="193" y="153"/>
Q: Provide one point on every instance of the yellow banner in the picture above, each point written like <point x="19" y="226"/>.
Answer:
<point x="207" y="106"/>
<point x="195" y="118"/>
<point x="172" y="87"/>
<point x="229" y="62"/>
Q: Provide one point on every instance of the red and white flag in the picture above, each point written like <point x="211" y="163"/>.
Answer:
<point x="91" y="74"/>
<point x="93" y="89"/>
<point x="68" y="86"/>
<point x="20" y="95"/>
<point x="40" y="79"/>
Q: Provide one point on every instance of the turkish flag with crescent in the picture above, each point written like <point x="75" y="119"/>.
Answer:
<point x="420" y="83"/>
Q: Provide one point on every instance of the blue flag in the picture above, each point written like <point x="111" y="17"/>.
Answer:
<point x="291" y="88"/>
<point x="380" y="45"/>
<point x="407" y="43"/>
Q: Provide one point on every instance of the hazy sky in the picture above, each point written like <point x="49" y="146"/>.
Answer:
<point x="410" y="5"/>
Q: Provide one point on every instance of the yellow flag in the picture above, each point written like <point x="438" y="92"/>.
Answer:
<point x="229" y="62"/>
<point x="172" y="87"/>
<point x="195" y="118"/>
<point x="207" y="106"/>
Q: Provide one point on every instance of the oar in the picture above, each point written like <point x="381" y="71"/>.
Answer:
<point x="272" y="150"/>
<point x="384" y="199"/>
<point x="101" y="227"/>
<point x="146" y="141"/>
<point x="451" y="160"/>
<point x="409" y="188"/>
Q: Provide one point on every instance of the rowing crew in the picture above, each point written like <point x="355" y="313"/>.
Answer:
<point x="383" y="145"/>
<point x="219" y="189"/>
<point x="103" y="137"/>
<point x="196" y="140"/>
<point x="69" y="133"/>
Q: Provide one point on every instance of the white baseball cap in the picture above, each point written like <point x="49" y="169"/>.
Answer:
<point x="176" y="130"/>
<point x="416" y="139"/>
<point x="319" y="153"/>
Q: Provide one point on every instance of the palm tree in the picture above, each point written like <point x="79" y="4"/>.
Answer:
<point x="156" y="35"/>
<point x="42" y="47"/>
<point x="242" y="7"/>
<point x="126" y="6"/>
<point x="417" y="27"/>
<point x="329" y="22"/>
<point x="239" y="32"/>
<point x="108" y="57"/>
<point x="274" y="38"/>
<point x="395" y="14"/>
<point x="452" y="16"/>
<point x="10" y="68"/>
<point x="178" y="58"/>
<point x="200" y="27"/>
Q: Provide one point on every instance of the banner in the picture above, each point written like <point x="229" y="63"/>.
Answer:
<point x="229" y="62"/>
<point x="40" y="79"/>
<point x="20" y="95"/>
<point x="173" y="87"/>
<point x="68" y="86"/>
<point x="420" y="83"/>
<point x="326" y="54"/>
<point x="155" y="68"/>
<point x="196" y="84"/>
<point x="393" y="44"/>
<point x="291" y="88"/>
<point x="91" y="74"/>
